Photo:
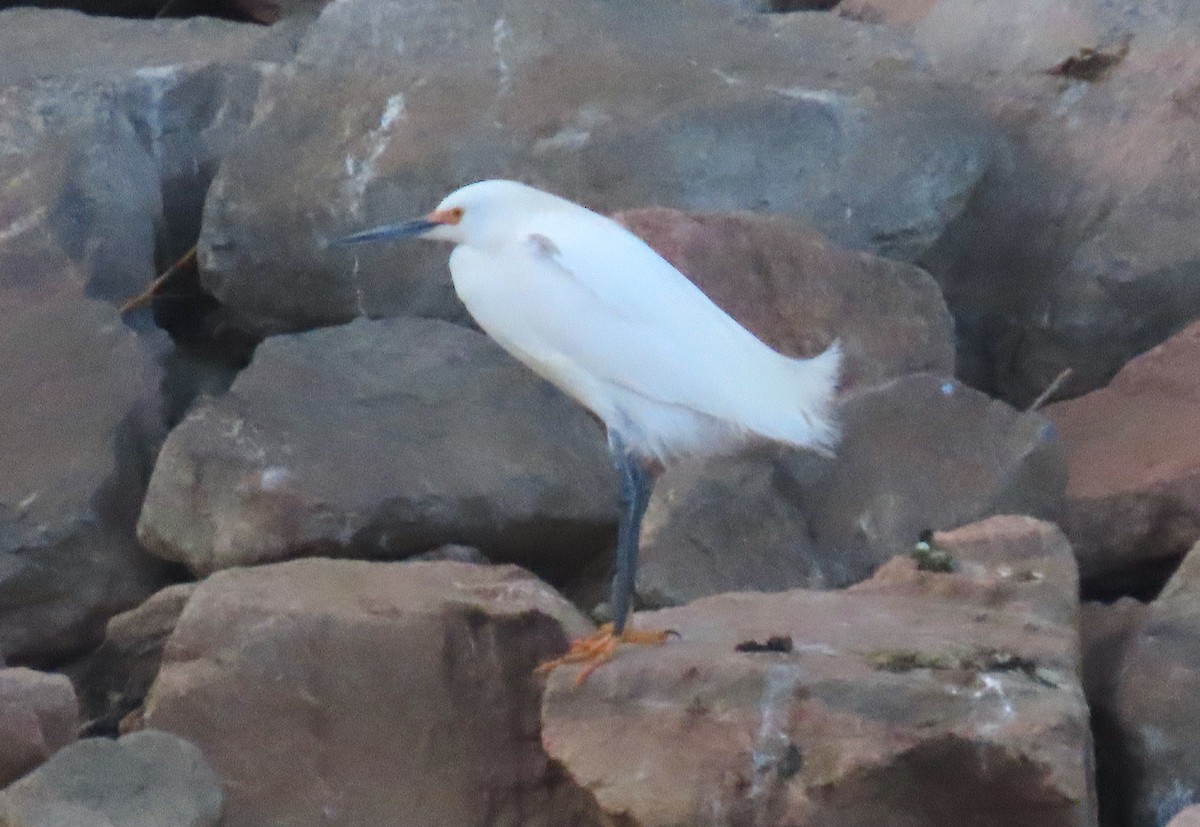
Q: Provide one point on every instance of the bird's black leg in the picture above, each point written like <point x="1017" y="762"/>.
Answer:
<point x="636" y="484"/>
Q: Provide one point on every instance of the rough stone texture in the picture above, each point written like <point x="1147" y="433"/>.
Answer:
<point x="382" y="439"/>
<point x="78" y="419"/>
<point x="789" y="286"/>
<point x="38" y="716"/>
<point x="1189" y="817"/>
<point x="826" y="120"/>
<point x="1133" y="498"/>
<point x="917" y="453"/>
<point x="915" y="698"/>
<point x="891" y="12"/>
<point x="146" y="779"/>
<point x="347" y="693"/>
<point x="1156" y="705"/>
<point x="1078" y="249"/>
<point x="113" y="680"/>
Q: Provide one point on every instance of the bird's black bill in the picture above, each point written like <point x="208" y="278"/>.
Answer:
<point x="388" y="232"/>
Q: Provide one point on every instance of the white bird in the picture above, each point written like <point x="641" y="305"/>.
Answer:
<point x="592" y="308"/>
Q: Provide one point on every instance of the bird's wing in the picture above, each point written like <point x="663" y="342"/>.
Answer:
<point x="641" y="324"/>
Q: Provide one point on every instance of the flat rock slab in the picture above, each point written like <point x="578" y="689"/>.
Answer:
<point x="38" y="716"/>
<point x="146" y="779"/>
<point x="919" y="698"/>
<point x="364" y="128"/>
<point x="355" y="693"/>
<point x="382" y="439"/>
<point x="918" y="453"/>
<point x="787" y="284"/>
<point x="1133" y="496"/>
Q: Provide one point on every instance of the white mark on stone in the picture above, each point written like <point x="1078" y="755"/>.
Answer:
<point x="994" y="687"/>
<point x="501" y="34"/>
<point x="28" y="501"/>
<point x="22" y="225"/>
<point x="799" y="93"/>
<point x="272" y="478"/>
<point x="360" y="301"/>
<point x="574" y="134"/>
<point x="732" y="80"/>
<point x="774" y="709"/>
<point x="360" y="170"/>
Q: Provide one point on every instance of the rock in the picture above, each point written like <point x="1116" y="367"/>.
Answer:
<point x="80" y="416"/>
<point x="113" y="680"/>
<point x="917" y="453"/>
<point x="382" y="439"/>
<point x="891" y="12"/>
<point x="917" y="698"/>
<point x="1077" y="250"/>
<point x="148" y="778"/>
<point x="357" y="131"/>
<point x="400" y="693"/>
<point x="794" y="290"/>
<point x="1133" y="497"/>
<point x="1189" y="817"/>
<point x="1155" y="711"/>
<point x="38" y="716"/>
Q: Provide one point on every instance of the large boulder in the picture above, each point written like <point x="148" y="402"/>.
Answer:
<point x="79" y="416"/>
<point x="142" y="780"/>
<point x="918" y="697"/>
<point x="367" y="126"/>
<point x="797" y="292"/>
<point x="39" y="715"/>
<point x="918" y="453"/>
<point x="1133" y="497"/>
<point x="1154" y="718"/>
<point x="349" y="692"/>
<point x="1079" y="250"/>
<point x="382" y="439"/>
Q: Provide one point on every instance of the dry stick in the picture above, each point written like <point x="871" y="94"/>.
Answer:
<point x="146" y="296"/>
<point x="1050" y="389"/>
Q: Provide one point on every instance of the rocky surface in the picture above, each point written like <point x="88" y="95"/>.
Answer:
<point x="1077" y="250"/>
<point x="1154" y="712"/>
<point x="38" y="716"/>
<point x="114" y="678"/>
<point x="382" y="439"/>
<point x="364" y="128"/>
<point x="789" y="286"/>
<point x="917" y="453"/>
<point x="915" y="698"/>
<point x="349" y="692"/>
<point x="1133" y="497"/>
<point x="148" y="778"/>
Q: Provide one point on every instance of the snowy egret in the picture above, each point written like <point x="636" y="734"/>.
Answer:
<point x="593" y="309"/>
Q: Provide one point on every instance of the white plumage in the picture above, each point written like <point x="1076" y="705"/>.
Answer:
<point x="592" y="308"/>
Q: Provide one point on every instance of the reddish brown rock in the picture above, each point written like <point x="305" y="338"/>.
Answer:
<point x="38" y="716"/>
<point x="1133" y="495"/>
<point x="786" y="283"/>
<point x="916" y="698"/>
<point x="1155" y="714"/>
<point x="348" y="692"/>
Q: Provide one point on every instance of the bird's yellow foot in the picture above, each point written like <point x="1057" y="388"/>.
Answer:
<point x="596" y="650"/>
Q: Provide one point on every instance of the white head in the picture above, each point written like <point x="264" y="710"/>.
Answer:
<point x="479" y="215"/>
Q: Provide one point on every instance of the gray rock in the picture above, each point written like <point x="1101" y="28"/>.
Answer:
<point x="382" y="439"/>
<point x="148" y="779"/>
<point x="917" y="453"/>
<point x="113" y="680"/>
<point x="348" y="692"/>
<point x="38" y="716"/>
<point x="366" y="127"/>
<point x="80" y="411"/>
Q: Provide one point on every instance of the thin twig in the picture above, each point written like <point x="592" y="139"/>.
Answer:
<point x="1050" y="389"/>
<point x="148" y="295"/>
